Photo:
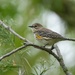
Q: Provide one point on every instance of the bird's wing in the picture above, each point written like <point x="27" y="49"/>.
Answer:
<point x="49" y="34"/>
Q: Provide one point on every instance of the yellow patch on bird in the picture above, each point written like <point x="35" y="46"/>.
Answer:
<point x="38" y="36"/>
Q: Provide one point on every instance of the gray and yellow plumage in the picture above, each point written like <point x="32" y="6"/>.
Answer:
<point x="47" y="36"/>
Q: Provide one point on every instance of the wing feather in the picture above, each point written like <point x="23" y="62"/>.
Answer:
<point x="48" y="34"/>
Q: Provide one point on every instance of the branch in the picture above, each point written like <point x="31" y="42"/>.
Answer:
<point x="61" y="61"/>
<point x="12" y="31"/>
<point x="59" y="57"/>
<point x="29" y="44"/>
<point x="12" y="52"/>
<point x="45" y="49"/>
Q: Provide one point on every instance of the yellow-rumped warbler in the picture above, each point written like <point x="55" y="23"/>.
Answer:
<point x="47" y="36"/>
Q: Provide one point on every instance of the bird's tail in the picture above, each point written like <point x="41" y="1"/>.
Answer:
<point x="69" y="39"/>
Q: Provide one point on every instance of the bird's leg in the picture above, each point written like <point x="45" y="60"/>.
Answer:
<point x="52" y="47"/>
<point x="45" y="45"/>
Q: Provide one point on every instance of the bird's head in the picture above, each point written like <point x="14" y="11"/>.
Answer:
<point x="36" y="26"/>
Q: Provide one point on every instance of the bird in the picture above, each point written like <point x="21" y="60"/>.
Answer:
<point x="47" y="36"/>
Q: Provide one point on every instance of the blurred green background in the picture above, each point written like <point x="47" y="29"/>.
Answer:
<point x="59" y="15"/>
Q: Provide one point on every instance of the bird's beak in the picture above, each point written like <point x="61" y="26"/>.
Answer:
<point x="31" y="26"/>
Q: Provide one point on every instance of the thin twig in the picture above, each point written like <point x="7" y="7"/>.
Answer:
<point x="61" y="61"/>
<point x="12" y="31"/>
<point x="12" y="52"/>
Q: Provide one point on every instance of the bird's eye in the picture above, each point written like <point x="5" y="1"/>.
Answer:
<point x="35" y="26"/>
